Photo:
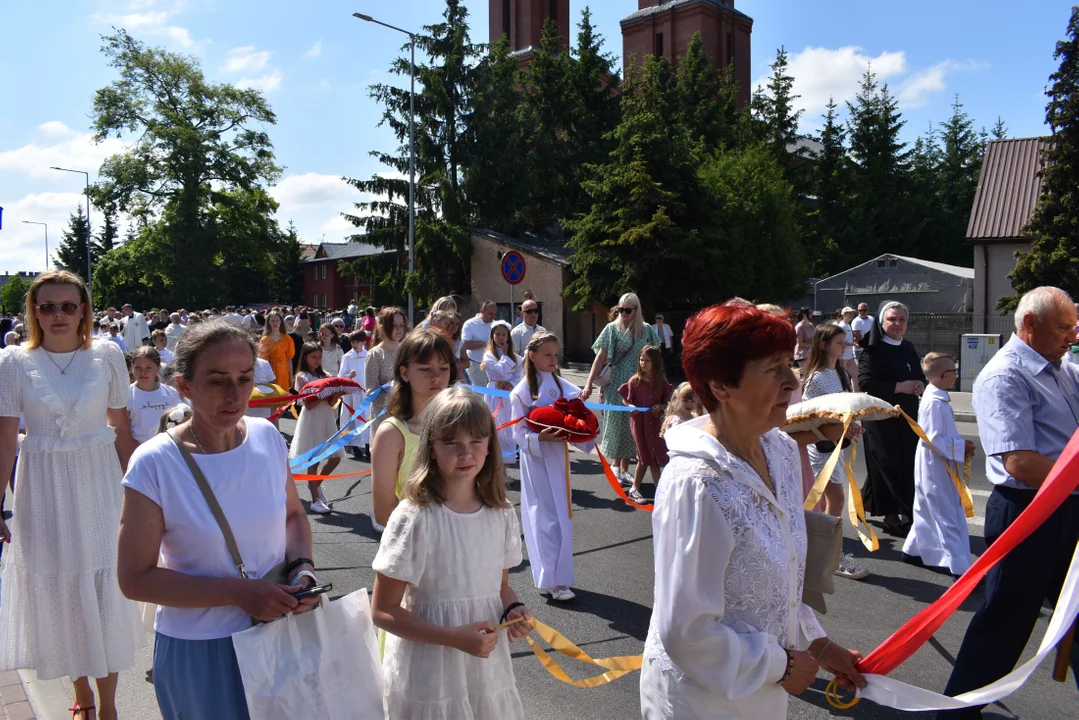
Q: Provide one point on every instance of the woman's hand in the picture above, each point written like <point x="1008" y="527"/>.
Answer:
<point x="857" y="430"/>
<point x="840" y="662"/>
<point x="351" y="374"/>
<point x="477" y="639"/>
<point x="519" y="629"/>
<point x="586" y="391"/>
<point x="264" y="600"/>
<point x="805" y="672"/>
<point x="308" y="603"/>
<point x="658" y="410"/>
<point x="907" y="387"/>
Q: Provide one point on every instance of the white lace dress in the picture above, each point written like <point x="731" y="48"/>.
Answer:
<point x="62" y="612"/>
<point x="453" y="565"/>
<point x="729" y="562"/>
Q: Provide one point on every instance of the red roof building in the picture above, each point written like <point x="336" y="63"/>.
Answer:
<point x="323" y="285"/>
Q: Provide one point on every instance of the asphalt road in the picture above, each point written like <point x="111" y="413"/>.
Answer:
<point x="613" y="557"/>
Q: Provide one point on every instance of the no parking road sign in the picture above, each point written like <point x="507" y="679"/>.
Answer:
<point x="513" y="267"/>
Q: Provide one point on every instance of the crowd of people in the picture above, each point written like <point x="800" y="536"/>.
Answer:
<point x="185" y="498"/>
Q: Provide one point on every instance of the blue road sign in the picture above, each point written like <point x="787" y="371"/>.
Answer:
<point x="513" y="267"/>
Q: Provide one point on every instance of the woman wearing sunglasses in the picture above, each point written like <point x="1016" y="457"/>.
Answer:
<point x="61" y="612"/>
<point x="620" y="344"/>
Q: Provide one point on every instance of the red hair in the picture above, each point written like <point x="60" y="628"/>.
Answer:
<point x="718" y="342"/>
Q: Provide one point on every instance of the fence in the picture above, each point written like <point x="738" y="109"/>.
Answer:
<point x="943" y="332"/>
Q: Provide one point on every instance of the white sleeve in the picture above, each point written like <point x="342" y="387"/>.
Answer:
<point x="809" y="627"/>
<point x="527" y="440"/>
<point x="498" y="370"/>
<point x="942" y="433"/>
<point x="693" y="544"/>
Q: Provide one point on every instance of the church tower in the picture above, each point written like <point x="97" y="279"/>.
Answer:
<point x="522" y="21"/>
<point x="665" y="27"/>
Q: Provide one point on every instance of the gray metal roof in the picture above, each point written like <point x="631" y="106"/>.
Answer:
<point x="546" y="247"/>
<point x="665" y="5"/>
<point x="345" y="251"/>
<point x="957" y="270"/>
<point x="1008" y="189"/>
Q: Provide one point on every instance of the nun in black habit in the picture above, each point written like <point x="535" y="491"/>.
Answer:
<point x="891" y="370"/>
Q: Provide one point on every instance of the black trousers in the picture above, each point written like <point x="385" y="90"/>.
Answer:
<point x="1014" y="592"/>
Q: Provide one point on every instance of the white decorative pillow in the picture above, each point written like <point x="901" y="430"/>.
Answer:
<point x="827" y="409"/>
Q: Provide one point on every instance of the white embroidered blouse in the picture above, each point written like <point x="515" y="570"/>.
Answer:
<point x="729" y="565"/>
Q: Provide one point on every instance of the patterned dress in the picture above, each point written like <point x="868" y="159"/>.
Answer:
<point x="616" y="440"/>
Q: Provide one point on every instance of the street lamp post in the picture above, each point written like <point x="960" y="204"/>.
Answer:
<point x="411" y="158"/>
<point x="34" y="222"/>
<point x="89" y="235"/>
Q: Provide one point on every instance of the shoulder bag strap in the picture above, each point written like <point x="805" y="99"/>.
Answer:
<point x="211" y="500"/>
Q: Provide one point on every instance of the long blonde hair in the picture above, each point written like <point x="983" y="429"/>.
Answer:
<point x="680" y="393"/>
<point x="637" y="328"/>
<point x="530" y="369"/>
<point x="59" y="277"/>
<point x="454" y="412"/>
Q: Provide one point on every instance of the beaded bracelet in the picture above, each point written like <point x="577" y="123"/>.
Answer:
<point x="790" y="667"/>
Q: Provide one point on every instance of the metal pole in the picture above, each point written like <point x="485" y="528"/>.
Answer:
<point x="412" y="181"/>
<point x="89" y="239"/>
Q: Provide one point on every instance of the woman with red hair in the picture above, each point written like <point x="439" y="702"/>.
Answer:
<point x="729" y="635"/>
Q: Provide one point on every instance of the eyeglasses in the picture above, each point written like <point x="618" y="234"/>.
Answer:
<point x="626" y="311"/>
<point x="533" y="311"/>
<point x="49" y="309"/>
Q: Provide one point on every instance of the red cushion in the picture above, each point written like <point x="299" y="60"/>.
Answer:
<point x="571" y="415"/>
<point x="330" y="386"/>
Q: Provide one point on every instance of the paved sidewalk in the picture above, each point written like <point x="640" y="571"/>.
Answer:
<point x="13" y="702"/>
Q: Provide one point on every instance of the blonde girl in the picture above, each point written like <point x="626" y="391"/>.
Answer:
<point x="149" y="398"/>
<point x="442" y="583"/>
<point x="683" y="407"/>
<point x="316" y="425"/>
<point x="545" y="497"/>
<point x="425" y="366"/>
<point x="504" y="370"/>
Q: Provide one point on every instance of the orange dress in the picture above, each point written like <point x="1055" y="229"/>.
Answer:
<point x="279" y="355"/>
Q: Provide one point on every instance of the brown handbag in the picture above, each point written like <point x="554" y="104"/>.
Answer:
<point x="279" y="573"/>
<point x="824" y="544"/>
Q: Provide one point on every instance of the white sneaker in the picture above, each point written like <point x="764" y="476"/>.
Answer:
<point x="562" y="594"/>
<point x="320" y="507"/>
<point x="625" y="478"/>
<point x="378" y="528"/>
<point x="848" y="569"/>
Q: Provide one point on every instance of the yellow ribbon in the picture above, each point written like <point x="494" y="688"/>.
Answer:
<point x="831" y="694"/>
<point x="616" y="666"/>
<point x="855" y="508"/>
<point x="960" y="486"/>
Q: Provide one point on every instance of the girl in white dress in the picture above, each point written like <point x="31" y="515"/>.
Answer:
<point x="442" y="585"/>
<point x="316" y="425"/>
<point x="61" y="611"/>
<point x="330" y="343"/>
<point x="504" y="370"/>
<point x="545" y="501"/>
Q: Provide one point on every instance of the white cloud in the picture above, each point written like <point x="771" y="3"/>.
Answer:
<point x="152" y="24"/>
<point x="246" y="59"/>
<point x="295" y="192"/>
<point x="916" y="89"/>
<point x="24" y="245"/>
<point x="822" y="73"/>
<point x="71" y="148"/>
<point x="266" y="83"/>
<point x="338" y="224"/>
<point x="315" y="51"/>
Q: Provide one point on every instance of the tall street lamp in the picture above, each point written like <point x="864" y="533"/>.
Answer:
<point x="89" y="235"/>
<point x="34" y="222"/>
<point x="411" y="158"/>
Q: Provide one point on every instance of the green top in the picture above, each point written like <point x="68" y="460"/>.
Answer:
<point x="411" y="442"/>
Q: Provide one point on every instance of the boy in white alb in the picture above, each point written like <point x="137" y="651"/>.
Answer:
<point x="353" y="366"/>
<point x="938" y="536"/>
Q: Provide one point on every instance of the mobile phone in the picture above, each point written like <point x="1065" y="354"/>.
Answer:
<point x="313" y="590"/>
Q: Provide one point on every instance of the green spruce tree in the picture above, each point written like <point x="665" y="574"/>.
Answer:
<point x="828" y="222"/>
<point x="962" y="150"/>
<point x="1053" y="230"/>
<point x="71" y="254"/>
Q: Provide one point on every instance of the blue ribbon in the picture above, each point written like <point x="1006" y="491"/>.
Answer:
<point x="593" y="406"/>
<point x="319" y="453"/>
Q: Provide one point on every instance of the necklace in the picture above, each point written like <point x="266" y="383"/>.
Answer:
<point x="63" y="370"/>
<point x="202" y="449"/>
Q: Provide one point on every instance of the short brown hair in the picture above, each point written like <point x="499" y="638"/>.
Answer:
<point x="418" y="346"/>
<point x="59" y="277"/>
<point x="196" y="339"/>
<point x="452" y="412"/>
<point x="147" y="352"/>
<point x="932" y="363"/>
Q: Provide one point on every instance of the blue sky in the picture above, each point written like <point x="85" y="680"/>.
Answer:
<point x="315" y="62"/>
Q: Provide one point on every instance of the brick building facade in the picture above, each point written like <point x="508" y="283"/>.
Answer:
<point x="324" y="286"/>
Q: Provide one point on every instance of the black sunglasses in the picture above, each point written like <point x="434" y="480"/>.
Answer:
<point x="49" y="309"/>
<point x="530" y="312"/>
<point x="626" y="311"/>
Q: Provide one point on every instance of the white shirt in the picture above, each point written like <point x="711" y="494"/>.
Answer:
<point x="729" y="567"/>
<point x="664" y="334"/>
<point x="173" y="333"/>
<point x="848" y="351"/>
<point x="146" y="408"/>
<point x="249" y="484"/>
<point x="474" y="330"/>
<point x="263" y="375"/>
<point x="234" y="319"/>
<point x="248" y="322"/>
<point x="862" y="325"/>
<point x="167" y="356"/>
<point x="521" y="334"/>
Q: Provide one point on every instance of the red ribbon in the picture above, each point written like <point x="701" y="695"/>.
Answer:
<point x="305" y="477"/>
<point x="1061" y="482"/>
